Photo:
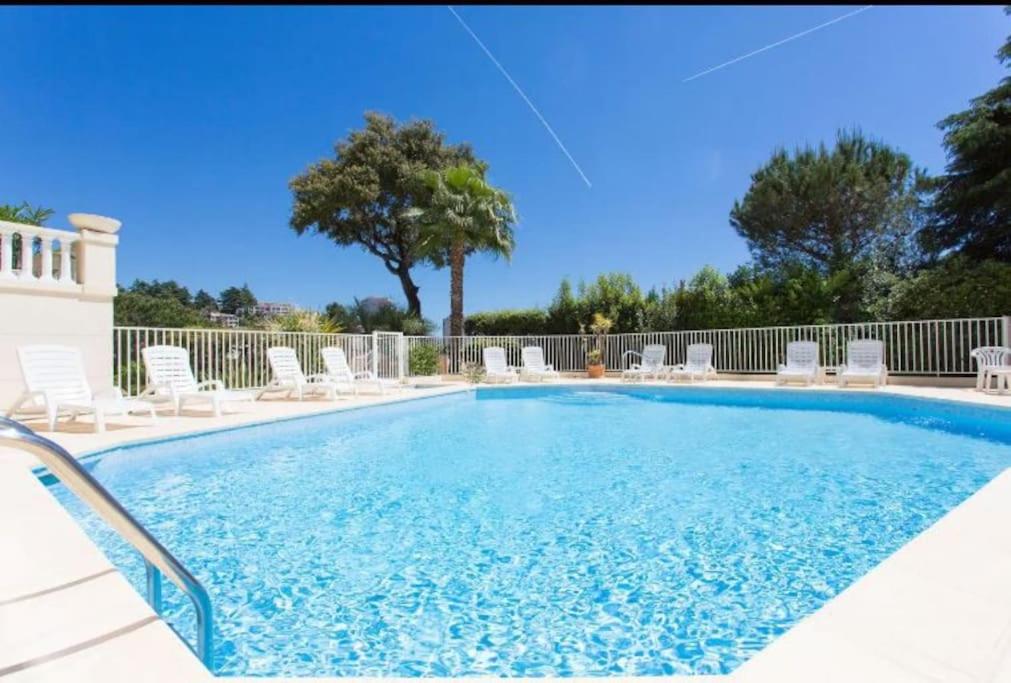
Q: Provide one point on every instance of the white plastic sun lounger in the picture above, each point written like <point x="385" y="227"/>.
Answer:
<point x="56" y="384"/>
<point x="288" y="376"/>
<point x="170" y="379"/>
<point x="534" y="368"/>
<point x="337" y="369"/>
<point x="650" y="365"/>
<point x="991" y="362"/>
<point x="698" y="364"/>
<point x="865" y="362"/>
<point x="496" y="368"/>
<point x="801" y="364"/>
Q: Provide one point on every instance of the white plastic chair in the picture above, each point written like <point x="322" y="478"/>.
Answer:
<point x="650" y="365"/>
<point x="288" y="376"/>
<point x="801" y="363"/>
<point x="698" y="364"/>
<point x="56" y="384"/>
<point x="495" y="366"/>
<point x="170" y="379"/>
<point x="865" y="362"/>
<point x="534" y="368"/>
<point x="337" y="369"/>
<point x="991" y="363"/>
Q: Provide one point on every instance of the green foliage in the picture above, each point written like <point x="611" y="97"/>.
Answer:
<point x="143" y="310"/>
<point x="508" y="322"/>
<point x="170" y="289"/>
<point x="301" y="320"/>
<point x="972" y="206"/>
<point x="955" y="288"/>
<point x="423" y="360"/>
<point x="364" y="194"/>
<point x="203" y="301"/>
<point x="564" y="311"/>
<point x="614" y="296"/>
<point x="25" y="213"/>
<point x="234" y="299"/>
<point x="361" y="318"/>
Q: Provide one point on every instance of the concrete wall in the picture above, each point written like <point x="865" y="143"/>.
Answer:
<point x="43" y="308"/>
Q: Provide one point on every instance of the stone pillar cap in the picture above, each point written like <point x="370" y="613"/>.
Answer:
<point x="91" y="221"/>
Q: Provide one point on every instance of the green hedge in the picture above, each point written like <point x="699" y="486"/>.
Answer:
<point x="511" y="321"/>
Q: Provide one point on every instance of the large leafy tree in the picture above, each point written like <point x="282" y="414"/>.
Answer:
<point x="972" y="207"/>
<point x="463" y="214"/>
<point x="362" y="195"/>
<point x="839" y="211"/>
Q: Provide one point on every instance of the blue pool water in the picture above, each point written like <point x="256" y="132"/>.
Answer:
<point x="554" y="531"/>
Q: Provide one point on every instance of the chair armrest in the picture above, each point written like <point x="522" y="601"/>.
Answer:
<point x="549" y="367"/>
<point x="780" y="368"/>
<point x="318" y="378"/>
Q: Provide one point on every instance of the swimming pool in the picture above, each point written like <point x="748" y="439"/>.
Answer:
<point x="543" y="531"/>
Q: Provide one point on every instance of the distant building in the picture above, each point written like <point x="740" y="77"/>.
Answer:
<point x="268" y="309"/>
<point x="223" y="319"/>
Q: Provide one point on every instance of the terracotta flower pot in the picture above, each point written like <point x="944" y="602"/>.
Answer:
<point x="595" y="371"/>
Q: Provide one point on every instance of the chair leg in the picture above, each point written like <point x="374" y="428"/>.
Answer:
<point x="51" y="417"/>
<point x="99" y="420"/>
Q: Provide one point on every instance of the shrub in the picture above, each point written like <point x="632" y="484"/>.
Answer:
<point x="473" y="372"/>
<point x="954" y="288"/>
<point x="424" y="360"/>
<point x="514" y="321"/>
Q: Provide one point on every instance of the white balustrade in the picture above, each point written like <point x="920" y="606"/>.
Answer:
<point x="36" y="265"/>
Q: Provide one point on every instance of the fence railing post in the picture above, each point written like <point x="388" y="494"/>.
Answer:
<point x="1005" y="330"/>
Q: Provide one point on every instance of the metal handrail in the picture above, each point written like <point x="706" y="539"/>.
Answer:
<point x="157" y="560"/>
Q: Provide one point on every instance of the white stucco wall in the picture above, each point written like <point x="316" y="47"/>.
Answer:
<point x="35" y="311"/>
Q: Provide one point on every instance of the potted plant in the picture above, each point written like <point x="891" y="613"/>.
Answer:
<point x="595" y="363"/>
<point x="595" y="356"/>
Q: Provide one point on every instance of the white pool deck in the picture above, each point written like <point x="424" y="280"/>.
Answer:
<point x="939" y="609"/>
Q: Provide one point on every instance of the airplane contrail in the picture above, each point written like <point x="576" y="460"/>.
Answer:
<point x="778" y="43"/>
<point x="522" y="94"/>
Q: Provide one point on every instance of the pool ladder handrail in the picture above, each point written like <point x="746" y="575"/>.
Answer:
<point x="157" y="560"/>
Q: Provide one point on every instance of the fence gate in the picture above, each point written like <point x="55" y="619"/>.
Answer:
<point x="388" y="355"/>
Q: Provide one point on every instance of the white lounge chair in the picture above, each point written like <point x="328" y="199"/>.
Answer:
<point x="698" y="364"/>
<point x="288" y="376"/>
<point x="865" y="362"/>
<point x="801" y="363"/>
<point x="650" y="365"/>
<point x="337" y="369"/>
<point x="170" y="379"/>
<point x="991" y="363"/>
<point x="534" y="368"/>
<point x="56" y="384"/>
<point x="496" y="368"/>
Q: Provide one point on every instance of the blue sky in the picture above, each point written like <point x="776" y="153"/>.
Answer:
<point x="187" y="123"/>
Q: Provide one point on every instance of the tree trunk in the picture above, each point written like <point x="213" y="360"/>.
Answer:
<point x="456" y="259"/>
<point x="410" y="292"/>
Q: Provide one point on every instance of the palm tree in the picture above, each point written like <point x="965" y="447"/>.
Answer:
<point x="463" y="214"/>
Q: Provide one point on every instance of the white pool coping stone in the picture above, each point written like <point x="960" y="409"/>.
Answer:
<point x="938" y="609"/>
